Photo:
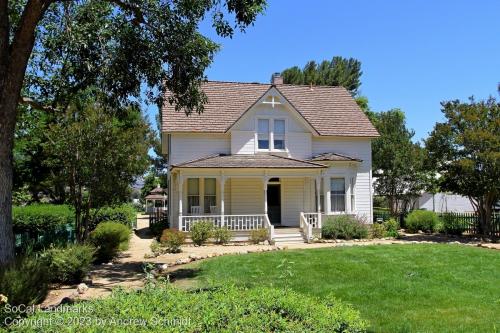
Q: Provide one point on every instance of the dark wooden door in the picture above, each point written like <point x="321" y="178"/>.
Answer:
<point x="274" y="203"/>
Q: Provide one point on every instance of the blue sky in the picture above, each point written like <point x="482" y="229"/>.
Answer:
<point x="414" y="54"/>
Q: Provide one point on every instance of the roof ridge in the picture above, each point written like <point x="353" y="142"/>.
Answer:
<point x="271" y="84"/>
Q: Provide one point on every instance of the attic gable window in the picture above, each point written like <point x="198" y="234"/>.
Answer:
<point x="271" y="134"/>
<point x="263" y="134"/>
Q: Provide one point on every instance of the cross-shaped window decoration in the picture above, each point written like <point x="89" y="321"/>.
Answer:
<point x="275" y="100"/>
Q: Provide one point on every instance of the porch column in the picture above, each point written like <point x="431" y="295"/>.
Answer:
<point x="326" y="193"/>
<point x="318" y="201"/>
<point x="222" y="184"/>
<point x="266" y="179"/>
<point x="181" y="185"/>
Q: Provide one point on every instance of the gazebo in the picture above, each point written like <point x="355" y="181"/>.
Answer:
<point x="156" y="200"/>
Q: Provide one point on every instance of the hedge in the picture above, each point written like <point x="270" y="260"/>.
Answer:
<point x="163" y="308"/>
<point x="124" y="214"/>
<point x="41" y="217"/>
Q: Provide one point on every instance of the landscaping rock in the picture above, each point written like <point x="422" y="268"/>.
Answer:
<point x="82" y="288"/>
<point x="163" y="267"/>
<point x="183" y="261"/>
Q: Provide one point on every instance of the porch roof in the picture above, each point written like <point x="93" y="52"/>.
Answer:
<point x="250" y="161"/>
<point x="334" y="157"/>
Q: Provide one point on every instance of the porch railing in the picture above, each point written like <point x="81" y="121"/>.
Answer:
<point x="270" y="228"/>
<point x="306" y="227"/>
<point x="232" y="222"/>
<point x="314" y="219"/>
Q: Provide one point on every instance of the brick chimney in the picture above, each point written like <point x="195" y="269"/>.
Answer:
<point x="277" y="79"/>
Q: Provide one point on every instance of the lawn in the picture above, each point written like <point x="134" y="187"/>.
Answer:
<point x="398" y="288"/>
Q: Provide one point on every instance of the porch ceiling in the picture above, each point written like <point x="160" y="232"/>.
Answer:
<point x="264" y="161"/>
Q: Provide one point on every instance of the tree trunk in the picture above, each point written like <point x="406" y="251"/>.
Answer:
<point x="6" y="233"/>
<point x="13" y="63"/>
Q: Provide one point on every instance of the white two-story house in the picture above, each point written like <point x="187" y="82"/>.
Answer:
<point x="268" y="156"/>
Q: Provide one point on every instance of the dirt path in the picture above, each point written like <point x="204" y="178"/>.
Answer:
<point x="127" y="270"/>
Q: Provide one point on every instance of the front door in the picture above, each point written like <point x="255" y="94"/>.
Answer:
<point x="274" y="203"/>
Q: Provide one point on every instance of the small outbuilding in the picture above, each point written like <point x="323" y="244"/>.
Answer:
<point x="156" y="200"/>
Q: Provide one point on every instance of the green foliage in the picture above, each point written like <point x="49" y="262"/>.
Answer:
<point x="423" y="220"/>
<point x="157" y="228"/>
<point x="151" y="181"/>
<point x="392" y="227"/>
<point x="225" y="309"/>
<point x="398" y="162"/>
<point x="452" y="224"/>
<point x="41" y="217"/>
<point x="343" y="227"/>
<point x="377" y="230"/>
<point x="466" y="149"/>
<point x="109" y="238"/>
<point x="172" y="240"/>
<point x="221" y="235"/>
<point x="102" y="152"/>
<point x="125" y="214"/>
<point x="25" y="281"/>
<point x="258" y="235"/>
<point x="201" y="231"/>
<point x="69" y="264"/>
<point x="337" y="72"/>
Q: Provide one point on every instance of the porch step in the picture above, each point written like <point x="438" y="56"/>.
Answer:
<point x="288" y="235"/>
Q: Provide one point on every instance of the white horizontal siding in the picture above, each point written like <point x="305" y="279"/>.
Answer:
<point x="355" y="147"/>
<point x="187" y="147"/>
<point x="242" y="142"/>
<point x="292" y="200"/>
<point x="247" y="196"/>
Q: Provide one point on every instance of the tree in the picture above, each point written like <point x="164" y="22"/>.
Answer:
<point x="398" y="163"/>
<point x="151" y="181"/>
<point x="337" y="72"/>
<point x="100" y="156"/>
<point x="466" y="152"/>
<point x="54" y="49"/>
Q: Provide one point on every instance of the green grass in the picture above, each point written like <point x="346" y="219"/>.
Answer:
<point x="398" y="288"/>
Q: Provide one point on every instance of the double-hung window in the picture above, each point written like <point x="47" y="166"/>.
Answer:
<point x="263" y="134"/>
<point x="193" y="194"/>
<point x="209" y="194"/>
<point x="337" y="194"/>
<point x="279" y="134"/>
<point x="271" y="134"/>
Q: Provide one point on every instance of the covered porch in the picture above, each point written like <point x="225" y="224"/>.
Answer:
<point x="277" y="192"/>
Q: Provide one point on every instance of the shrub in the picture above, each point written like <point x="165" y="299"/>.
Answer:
<point x="172" y="240"/>
<point x="222" y="235"/>
<point x="258" y="235"/>
<point x="124" y="214"/>
<point x="225" y="309"/>
<point x="69" y="264"/>
<point x="344" y="227"/>
<point x="378" y="230"/>
<point x="157" y="228"/>
<point x="201" y="231"/>
<point x="423" y="220"/>
<point x="452" y="225"/>
<point x="25" y="281"/>
<point x="392" y="227"/>
<point x="109" y="238"/>
<point x="41" y="217"/>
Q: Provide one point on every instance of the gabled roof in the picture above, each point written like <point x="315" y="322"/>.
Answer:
<point x="249" y="161"/>
<point x="334" y="157"/>
<point x="331" y="111"/>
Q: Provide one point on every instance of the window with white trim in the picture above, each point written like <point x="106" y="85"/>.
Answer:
<point x="209" y="195"/>
<point x="279" y="134"/>
<point x="337" y="194"/>
<point x="353" y="194"/>
<point x="263" y="134"/>
<point x="193" y="194"/>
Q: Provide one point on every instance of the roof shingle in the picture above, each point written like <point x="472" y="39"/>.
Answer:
<point x="330" y="110"/>
<point x="334" y="157"/>
<point x="249" y="161"/>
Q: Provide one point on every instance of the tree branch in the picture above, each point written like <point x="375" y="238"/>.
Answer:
<point x="130" y="8"/>
<point x="36" y="104"/>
